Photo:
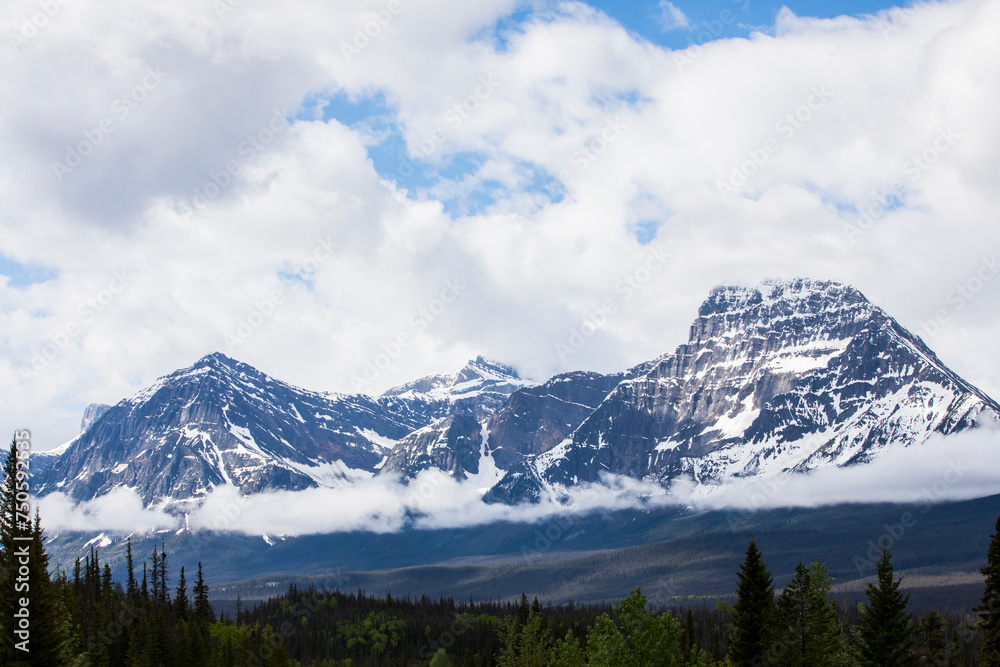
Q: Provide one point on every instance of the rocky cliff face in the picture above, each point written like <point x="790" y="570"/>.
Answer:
<point x="453" y="444"/>
<point x="536" y="419"/>
<point x="786" y="376"/>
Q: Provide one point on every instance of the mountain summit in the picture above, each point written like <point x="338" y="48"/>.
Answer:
<point x="786" y="376"/>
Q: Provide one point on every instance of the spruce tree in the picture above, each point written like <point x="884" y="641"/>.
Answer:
<point x="47" y="616"/>
<point x="155" y="575"/>
<point x="989" y="608"/>
<point x="753" y="612"/>
<point x="885" y="634"/>
<point x="132" y="588"/>
<point x="203" y="613"/>
<point x="806" y="623"/>
<point x="181" y="599"/>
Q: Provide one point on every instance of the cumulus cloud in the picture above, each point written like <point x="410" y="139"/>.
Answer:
<point x="191" y="216"/>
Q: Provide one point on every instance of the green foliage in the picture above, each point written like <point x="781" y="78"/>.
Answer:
<point x="884" y="635"/>
<point x="376" y="632"/>
<point x="440" y="659"/>
<point x="805" y="622"/>
<point x="567" y="652"/>
<point x="989" y="608"/>
<point x="753" y="613"/>
<point x="639" y="637"/>
<point x="527" y="645"/>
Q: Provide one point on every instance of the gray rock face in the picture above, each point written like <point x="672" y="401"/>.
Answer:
<point x="787" y="376"/>
<point x="536" y="419"/>
<point x="221" y="421"/>
<point x="92" y="414"/>
<point x="453" y="444"/>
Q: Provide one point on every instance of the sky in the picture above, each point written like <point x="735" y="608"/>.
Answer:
<point x="351" y="195"/>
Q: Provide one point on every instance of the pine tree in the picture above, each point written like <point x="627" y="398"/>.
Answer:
<point x="155" y="575"/>
<point x="806" y="624"/>
<point x="181" y="599"/>
<point x="753" y="613"/>
<point x="884" y="635"/>
<point x="203" y="613"/>
<point x="164" y="596"/>
<point x="989" y="608"/>
<point x="132" y="588"/>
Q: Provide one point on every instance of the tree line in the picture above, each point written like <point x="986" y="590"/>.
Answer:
<point x="84" y="618"/>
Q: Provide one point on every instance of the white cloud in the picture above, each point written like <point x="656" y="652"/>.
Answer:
<point x="671" y="17"/>
<point x="120" y="510"/>
<point x="957" y="467"/>
<point x="432" y="500"/>
<point x="686" y="120"/>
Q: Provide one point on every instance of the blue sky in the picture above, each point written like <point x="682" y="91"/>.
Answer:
<point x="706" y="22"/>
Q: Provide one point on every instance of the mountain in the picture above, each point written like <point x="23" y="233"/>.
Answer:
<point x="224" y="422"/>
<point x="477" y="390"/>
<point x="785" y="376"/>
<point x="536" y="419"/>
<point x="453" y="444"/>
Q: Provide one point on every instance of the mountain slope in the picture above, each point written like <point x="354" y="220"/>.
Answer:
<point x="224" y="422"/>
<point x="221" y="421"/>
<point x="787" y="376"/>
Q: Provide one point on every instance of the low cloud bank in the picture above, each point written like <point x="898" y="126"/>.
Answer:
<point x="120" y="510"/>
<point x="957" y="467"/>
